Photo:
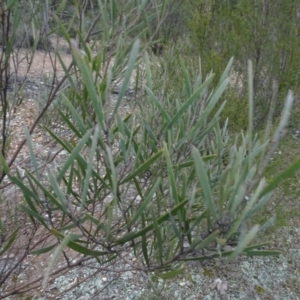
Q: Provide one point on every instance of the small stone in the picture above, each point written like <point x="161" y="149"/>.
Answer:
<point x="182" y="283"/>
<point x="227" y="248"/>
<point x="186" y="244"/>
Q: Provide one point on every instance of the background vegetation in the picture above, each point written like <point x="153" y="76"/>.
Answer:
<point x="264" y="31"/>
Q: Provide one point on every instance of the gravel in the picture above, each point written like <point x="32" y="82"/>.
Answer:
<point x="256" y="278"/>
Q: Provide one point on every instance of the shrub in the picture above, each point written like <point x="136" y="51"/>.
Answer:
<point x="150" y="180"/>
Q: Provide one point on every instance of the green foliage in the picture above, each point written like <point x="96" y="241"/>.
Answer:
<point x="236" y="110"/>
<point x="264" y="31"/>
<point x="175" y="24"/>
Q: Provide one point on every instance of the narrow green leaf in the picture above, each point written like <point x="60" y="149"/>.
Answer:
<point x="59" y="193"/>
<point x="258" y="207"/>
<point x="2" y="227"/>
<point x="144" y="242"/>
<point x="45" y="190"/>
<point x="157" y="103"/>
<point x="285" y="116"/>
<point x="10" y="4"/>
<point x="83" y="250"/>
<point x="245" y="213"/>
<point x="69" y="123"/>
<point x="145" y="203"/>
<point x="113" y="172"/>
<point x="256" y="246"/>
<point x="191" y="163"/>
<point x="190" y="101"/>
<point x="244" y="242"/>
<point x="171" y="176"/>
<point x="3" y="164"/>
<point x="88" y="173"/>
<point x="26" y="191"/>
<point x="197" y="221"/>
<point x="131" y="64"/>
<point x="238" y="192"/>
<point x="253" y="199"/>
<point x="121" y="129"/>
<point x="148" y="71"/>
<point x="226" y="72"/>
<point x="145" y="166"/>
<point x="198" y="80"/>
<point x="10" y="241"/>
<point x="43" y="250"/>
<point x="177" y="230"/>
<point x="163" y="9"/>
<point x="287" y="173"/>
<point x="81" y="161"/>
<point x="62" y="142"/>
<point x="90" y="86"/>
<point x="55" y="258"/>
<point x="69" y="180"/>
<point x="75" y="115"/>
<point x="269" y="223"/>
<point x="171" y="274"/>
<point x="76" y="247"/>
<point x="201" y="244"/>
<point x="138" y="188"/>
<point x="66" y="70"/>
<point x="96" y="222"/>
<point x="211" y="106"/>
<point x="73" y="225"/>
<point x="61" y="6"/>
<point x="187" y="80"/>
<point x="109" y="218"/>
<point x="132" y="235"/>
<point x="149" y="131"/>
<point x="199" y="139"/>
<point x="158" y="237"/>
<point x="32" y="155"/>
<point x="74" y="154"/>
<point x="250" y="110"/>
<point x="34" y="215"/>
<point x="202" y="177"/>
